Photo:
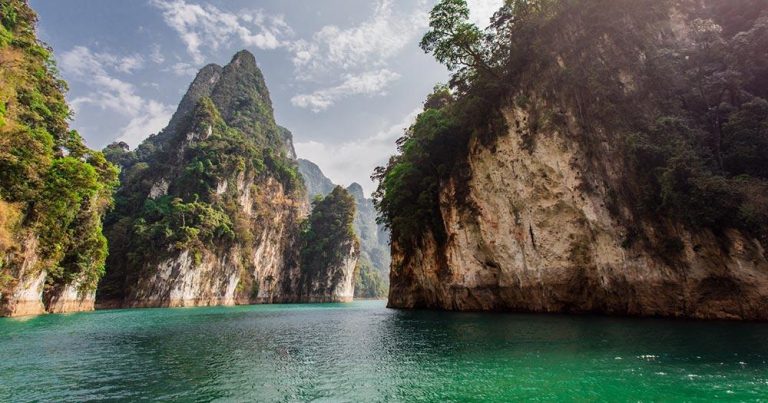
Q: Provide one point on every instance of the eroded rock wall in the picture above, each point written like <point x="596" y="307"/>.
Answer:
<point x="541" y="238"/>
<point x="261" y="272"/>
<point x="334" y="284"/>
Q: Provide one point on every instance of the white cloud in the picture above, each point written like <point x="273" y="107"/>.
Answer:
<point x="481" y="11"/>
<point x="157" y="56"/>
<point x="154" y="117"/>
<point x="360" y="54"/>
<point x="130" y="63"/>
<point x="371" y="43"/>
<point x="369" y="83"/>
<point x="110" y="94"/>
<point x="331" y="52"/>
<point x="201" y="26"/>
<point x="81" y="60"/>
<point x="354" y="161"/>
<point x="107" y="92"/>
<point x="182" y="69"/>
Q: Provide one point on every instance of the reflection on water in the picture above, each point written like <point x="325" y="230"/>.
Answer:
<point x="362" y="351"/>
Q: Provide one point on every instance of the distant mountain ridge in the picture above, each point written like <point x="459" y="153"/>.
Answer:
<point x="316" y="182"/>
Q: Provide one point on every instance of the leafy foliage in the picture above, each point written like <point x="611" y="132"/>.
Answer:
<point x="327" y="234"/>
<point x="52" y="187"/>
<point x="686" y="113"/>
<point x="170" y="221"/>
<point x="452" y="39"/>
<point x="408" y="193"/>
<point x="368" y="282"/>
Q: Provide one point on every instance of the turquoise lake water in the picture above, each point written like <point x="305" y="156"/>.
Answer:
<point x="365" y="352"/>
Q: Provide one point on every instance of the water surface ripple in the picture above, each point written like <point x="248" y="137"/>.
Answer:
<point x="365" y="352"/>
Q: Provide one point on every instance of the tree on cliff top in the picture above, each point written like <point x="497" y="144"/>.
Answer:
<point x="452" y="39"/>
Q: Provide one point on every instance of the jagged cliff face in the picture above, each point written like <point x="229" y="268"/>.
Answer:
<point x="259" y="271"/>
<point x="547" y="216"/>
<point x="539" y="242"/>
<point x="53" y="189"/>
<point x="336" y="282"/>
<point x="209" y="210"/>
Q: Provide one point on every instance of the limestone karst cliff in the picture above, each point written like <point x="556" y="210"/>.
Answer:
<point x="329" y="249"/>
<point x="53" y="189"/>
<point x="372" y="273"/>
<point x="597" y="156"/>
<point x="209" y="209"/>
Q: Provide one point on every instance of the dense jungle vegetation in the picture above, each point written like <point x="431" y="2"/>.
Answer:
<point x="368" y="282"/>
<point x="682" y="103"/>
<point x="53" y="189"/>
<point x="327" y="234"/>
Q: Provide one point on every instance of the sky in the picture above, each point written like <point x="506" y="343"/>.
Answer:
<point x="345" y="76"/>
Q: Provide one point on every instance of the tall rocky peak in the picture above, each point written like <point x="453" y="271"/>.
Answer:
<point x="240" y="95"/>
<point x="210" y="210"/>
<point x="329" y="249"/>
<point x="242" y="98"/>
<point x="356" y="190"/>
<point x="201" y="86"/>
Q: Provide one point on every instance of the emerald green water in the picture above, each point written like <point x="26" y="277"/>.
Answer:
<point x="365" y="352"/>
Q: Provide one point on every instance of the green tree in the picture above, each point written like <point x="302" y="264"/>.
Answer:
<point x="453" y="40"/>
